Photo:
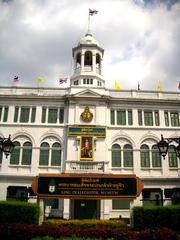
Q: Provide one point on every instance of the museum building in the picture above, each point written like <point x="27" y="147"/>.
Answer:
<point x="89" y="130"/>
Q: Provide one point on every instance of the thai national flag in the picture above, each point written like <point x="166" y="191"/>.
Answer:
<point x="63" y="80"/>
<point x="91" y="12"/>
<point x="16" y="78"/>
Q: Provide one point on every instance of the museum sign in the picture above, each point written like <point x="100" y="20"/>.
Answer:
<point x="87" y="186"/>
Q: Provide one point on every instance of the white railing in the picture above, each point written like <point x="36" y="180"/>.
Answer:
<point x="86" y="166"/>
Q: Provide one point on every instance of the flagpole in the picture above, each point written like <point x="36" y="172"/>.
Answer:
<point x="88" y="23"/>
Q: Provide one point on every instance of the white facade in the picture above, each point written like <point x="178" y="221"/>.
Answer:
<point x="132" y="119"/>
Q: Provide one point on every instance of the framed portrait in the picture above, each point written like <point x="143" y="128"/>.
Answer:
<point x="86" y="148"/>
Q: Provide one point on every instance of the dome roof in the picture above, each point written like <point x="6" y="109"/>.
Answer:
<point x="88" y="39"/>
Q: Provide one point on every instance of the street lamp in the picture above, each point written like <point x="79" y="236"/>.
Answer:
<point x="6" y="145"/>
<point x="163" y="146"/>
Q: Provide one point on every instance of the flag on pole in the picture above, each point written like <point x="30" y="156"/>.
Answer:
<point x="139" y="87"/>
<point x="40" y="79"/>
<point x="179" y="86"/>
<point x="16" y="79"/>
<point x="92" y="12"/>
<point x="117" y="86"/>
<point x="159" y="87"/>
<point x="63" y="80"/>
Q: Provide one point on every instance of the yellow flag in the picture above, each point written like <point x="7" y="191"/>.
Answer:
<point x="117" y="86"/>
<point x="159" y="87"/>
<point x="40" y="79"/>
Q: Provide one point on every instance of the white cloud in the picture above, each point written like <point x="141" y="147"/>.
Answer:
<point x="141" y="43"/>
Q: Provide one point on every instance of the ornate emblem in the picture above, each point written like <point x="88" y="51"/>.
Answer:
<point x="86" y="116"/>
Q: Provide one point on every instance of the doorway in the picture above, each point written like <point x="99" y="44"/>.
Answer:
<point x="86" y="209"/>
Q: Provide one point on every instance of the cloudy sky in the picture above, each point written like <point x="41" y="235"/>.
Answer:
<point x="141" y="39"/>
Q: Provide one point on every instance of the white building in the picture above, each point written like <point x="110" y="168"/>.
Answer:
<point x="39" y="120"/>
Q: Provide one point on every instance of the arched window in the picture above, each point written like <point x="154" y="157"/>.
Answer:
<point x="116" y="155"/>
<point x="172" y="156"/>
<point x="78" y="60"/>
<point x="88" y="58"/>
<point x="15" y="155"/>
<point x="27" y="153"/>
<point x="50" y="153"/>
<point x="98" y="60"/>
<point x="128" y="156"/>
<point x="56" y="155"/>
<point x="145" y="158"/>
<point x="156" y="157"/>
<point x="44" y="154"/>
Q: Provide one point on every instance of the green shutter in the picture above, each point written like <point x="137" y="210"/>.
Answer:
<point x="14" y="157"/>
<point x="33" y="114"/>
<point x="43" y="117"/>
<point x="24" y="116"/>
<point x="156" y="157"/>
<point x="56" y="155"/>
<point x="145" y="158"/>
<point x="116" y="156"/>
<point x="27" y="153"/>
<point x="112" y="117"/>
<point x="156" y="118"/>
<point x="6" y="110"/>
<point x="52" y="115"/>
<point x="128" y="156"/>
<point x="61" y="115"/>
<point x="130" y="118"/>
<point x="16" y="112"/>
<point x="172" y="157"/>
<point x="140" y="117"/>
<point x="121" y="117"/>
<point x="166" y="118"/>
<point x="44" y="154"/>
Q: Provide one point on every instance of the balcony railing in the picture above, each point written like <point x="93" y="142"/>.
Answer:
<point x="86" y="166"/>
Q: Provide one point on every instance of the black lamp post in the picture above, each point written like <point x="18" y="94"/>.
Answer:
<point x="6" y="145"/>
<point x="163" y="146"/>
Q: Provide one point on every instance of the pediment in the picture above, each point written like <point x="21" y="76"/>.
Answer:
<point x="87" y="93"/>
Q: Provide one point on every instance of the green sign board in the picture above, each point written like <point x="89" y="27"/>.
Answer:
<point x="86" y="131"/>
<point x="87" y="186"/>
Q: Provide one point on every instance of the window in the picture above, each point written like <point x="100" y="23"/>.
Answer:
<point x="174" y="119"/>
<point x="166" y="118"/>
<point x="1" y="155"/>
<point x="22" y="153"/>
<point x="112" y="117"/>
<point x="152" y="196"/>
<point x="172" y="157"/>
<point x="4" y="113"/>
<point x="156" y="157"/>
<point x="24" y="114"/>
<point x="145" y="158"/>
<point x="140" y="117"/>
<point x="121" y="117"/>
<point x="44" y="154"/>
<point x="128" y="156"/>
<point x="56" y="155"/>
<point x="116" y="155"/>
<point x="52" y="115"/>
<point x="130" y="118"/>
<point x="88" y="58"/>
<point x="120" y="204"/>
<point x="50" y="154"/>
<point x="148" y="118"/>
<point x="156" y="115"/>
<point x="27" y="153"/>
<point x="17" y="193"/>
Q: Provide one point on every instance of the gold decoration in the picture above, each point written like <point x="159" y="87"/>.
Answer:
<point x="86" y="116"/>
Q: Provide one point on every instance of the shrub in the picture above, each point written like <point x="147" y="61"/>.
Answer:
<point x="19" y="212"/>
<point x="155" y="216"/>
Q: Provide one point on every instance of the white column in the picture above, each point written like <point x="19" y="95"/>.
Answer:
<point x="66" y="212"/>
